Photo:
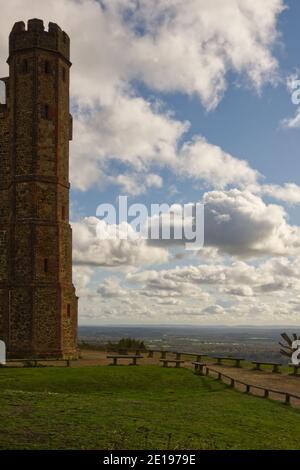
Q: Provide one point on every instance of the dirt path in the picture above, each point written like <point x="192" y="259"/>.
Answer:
<point x="280" y="382"/>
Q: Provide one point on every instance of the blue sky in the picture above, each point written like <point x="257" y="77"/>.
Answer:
<point x="179" y="105"/>
<point x="246" y="124"/>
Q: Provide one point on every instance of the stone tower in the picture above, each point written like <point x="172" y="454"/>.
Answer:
<point x="38" y="305"/>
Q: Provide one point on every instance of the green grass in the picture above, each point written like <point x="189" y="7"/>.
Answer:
<point x="136" y="407"/>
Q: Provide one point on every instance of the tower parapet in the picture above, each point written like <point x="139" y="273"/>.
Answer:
<point x="54" y="40"/>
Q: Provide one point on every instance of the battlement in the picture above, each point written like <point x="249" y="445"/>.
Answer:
<point x="36" y="36"/>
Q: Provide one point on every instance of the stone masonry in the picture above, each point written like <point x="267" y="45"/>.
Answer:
<point x="38" y="305"/>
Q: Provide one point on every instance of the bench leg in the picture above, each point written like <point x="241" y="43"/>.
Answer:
<point x="68" y="363"/>
<point x="115" y="361"/>
<point x="134" y="361"/>
<point x="178" y="356"/>
<point x="163" y="355"/>
<point x="247" y="389"/>
<point x="150" y="354"/>
<point x="238" y="363"/>
<point x="257" y="367"/>
<point x="219" y="361"/>
<point x="165" y="364"/>
<point x="276" y="369"/>
<point x="198" y="358"/>
<point x="177" y="365"/>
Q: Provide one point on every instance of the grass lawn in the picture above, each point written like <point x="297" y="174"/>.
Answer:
<point x="144" y="407"/>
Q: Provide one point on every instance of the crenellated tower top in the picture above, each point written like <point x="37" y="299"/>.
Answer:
<point x="35" y="36"/>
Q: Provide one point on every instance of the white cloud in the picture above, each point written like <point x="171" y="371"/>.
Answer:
<point x="90" y="250"/>
<point x="293" y="87"/>
<point x="240" y="223"/>
<point x="191" y="49"/>
<point x="111" y="288"/>
<point x="201" y="160"/>
<point x="170" y="48"/>
<point x="289" y="192"/>
<point x="292" y="122"/>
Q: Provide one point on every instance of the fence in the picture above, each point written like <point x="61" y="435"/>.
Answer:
<point x="248" y="387"/>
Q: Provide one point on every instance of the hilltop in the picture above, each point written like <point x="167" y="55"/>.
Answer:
<point x="144" y="407"/>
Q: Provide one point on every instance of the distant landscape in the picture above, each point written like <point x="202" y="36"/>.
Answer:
<point x="252" y="343"/>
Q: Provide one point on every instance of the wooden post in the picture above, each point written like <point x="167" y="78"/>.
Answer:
<point x="219" y="376"/>
<point x="238" y="363"/>
<point x="266" y="393"/>
<point x="134" y="361"/>
<point x="150" y="354"/>
<point x="287" y="399"/>
<point x="276" y="368"/>
<point x="231" y="383"/>
<point x="207" y="371"/>
<point x="199" y="358"/>
<point x="165" y="363"/>
<point x="115" y="359"/>
<point x="163" y="354"/>
<point x="177" y="364"/>
<point x="178" y="356"/>
<point x="68" y="362"/>
<point x="247" y="389"/>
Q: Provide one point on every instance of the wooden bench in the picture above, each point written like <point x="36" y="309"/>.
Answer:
<point x="197" y="355"/>
<point x="125" y="356"/>
<point x="177" y="362"/>
<point x="152" y="351"/>
<point x="237" y="360"/>
<point x="275" y="365"/>
<point x="33" y="362"/>
<point x="295" y="368"/>
<point x="199" y="366"/>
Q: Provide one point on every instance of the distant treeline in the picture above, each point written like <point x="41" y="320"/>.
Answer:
<point x="122" y="344"/>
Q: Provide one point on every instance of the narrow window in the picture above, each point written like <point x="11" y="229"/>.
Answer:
<point x="64" y="74"/>
<point x="25" y="66"/>
<point x="68" y="310"/>
<point x="46" y="265"/>
<point x="47" y="67"/>
<point x="46" y="111"/>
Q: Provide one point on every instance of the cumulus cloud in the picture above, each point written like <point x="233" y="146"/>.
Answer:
<point x="236" y="279"/>
<point x="201" y="160"/>
<point x="289" y="192"/>
<point x="90" y="250"/>
<point x="169" y="47"/>
<point x="111" y="288"/>
<point x="224" y="292"/>
<point x="241" y="223"/>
